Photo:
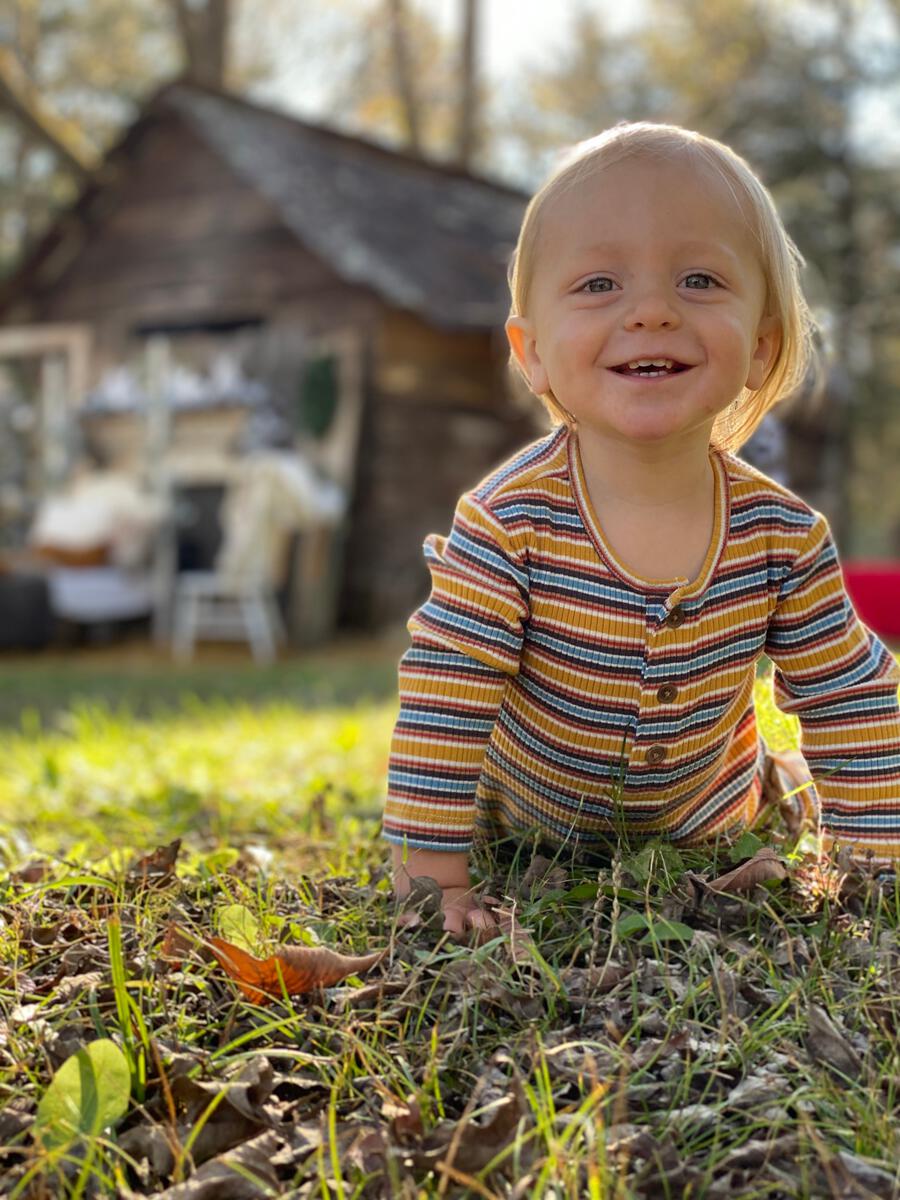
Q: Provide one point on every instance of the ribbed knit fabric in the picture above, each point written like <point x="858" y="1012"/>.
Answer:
<point x="548" y="687"/>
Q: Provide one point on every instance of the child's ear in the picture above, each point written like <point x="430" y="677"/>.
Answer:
<point x="768" y="343"/>
<point x="523" y="343"/>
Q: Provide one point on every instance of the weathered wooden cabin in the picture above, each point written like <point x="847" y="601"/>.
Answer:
<point x="221" y="224"/>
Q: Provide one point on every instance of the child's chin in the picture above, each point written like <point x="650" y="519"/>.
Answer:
<point x="657" y="419"/>
<point x="651" y="429"/>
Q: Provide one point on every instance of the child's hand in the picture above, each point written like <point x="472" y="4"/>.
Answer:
<point x="435" y="885"/>
<point x="465" y="910"/>
<point x="459" y="910"/>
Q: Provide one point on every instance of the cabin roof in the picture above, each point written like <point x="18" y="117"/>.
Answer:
<point x="425" y="237"/>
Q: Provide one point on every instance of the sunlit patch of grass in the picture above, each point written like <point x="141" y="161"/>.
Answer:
<point x="215" y="773"/>
<point x="779" y="730"/>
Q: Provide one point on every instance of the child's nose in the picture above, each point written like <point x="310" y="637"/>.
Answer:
<point x="651" y="310"/>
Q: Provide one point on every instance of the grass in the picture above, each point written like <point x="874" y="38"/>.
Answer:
<point x="648" y="1039"/>
<point x="144" y="682"/>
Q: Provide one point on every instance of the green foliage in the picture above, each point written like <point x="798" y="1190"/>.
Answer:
<point x="655" y="929"/>
<point x="238" y="925"/>
<point x="745" y="847"/>
<point x="657" y="860"/>
<point x="87" y="1095"/>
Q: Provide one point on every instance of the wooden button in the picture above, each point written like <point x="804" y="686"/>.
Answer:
<point x="675" y="617"/>
<point x="667" y="692"/>
<point x="655" y="754"/>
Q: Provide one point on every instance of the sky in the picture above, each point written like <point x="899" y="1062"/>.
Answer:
<point x="518" y="34"/>
<point x="513" y="34"/>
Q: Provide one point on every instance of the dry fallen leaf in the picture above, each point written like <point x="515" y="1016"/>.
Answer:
<point x="424" y="896"/>
<point x="155" y="868"/>
<point x="583" y="983"/>
<point x="241" y="1174"/>
<point x="464" y="1146"/>
<point x="352" y="999"/>
<point x="792" y="953"/>
<point x="455" y="1148"/>
<point x="870" y="1178"/>
<point x="473" y="980"/>
<point x="828" y="1045"/>
<point x="404" y="1117"/>
<point x="422" y="904"/>
<point x="759" y="1151"/>
<point x="175" y="946"/>
<point x="72" y="985"/>
<point x="33" y="872"/>
<point x="574" y="1060"/>
<point x="369" y="1149"/>
<point x="652" y="1050"/>
<point x="776" y="786"/>
<point x="542" y="875"/>
<point x="294" y="969"/>
<point x="765" y="864"/>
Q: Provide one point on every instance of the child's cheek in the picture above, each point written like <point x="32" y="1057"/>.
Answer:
<point x="575" y="343"/>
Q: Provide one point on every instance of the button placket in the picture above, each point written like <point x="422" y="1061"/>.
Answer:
<point x="654" y="693"/>
<point x="661" y="693"/>
<point x="676" y="617"/>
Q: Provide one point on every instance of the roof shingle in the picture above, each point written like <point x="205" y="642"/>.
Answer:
<point x="424" y="237"/>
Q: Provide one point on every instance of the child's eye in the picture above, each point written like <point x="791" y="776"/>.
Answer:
<point x="598" y="284"/>
<point x="708" y="280"/>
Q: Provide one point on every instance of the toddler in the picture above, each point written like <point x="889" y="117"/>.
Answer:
<point x="586" y="659"/>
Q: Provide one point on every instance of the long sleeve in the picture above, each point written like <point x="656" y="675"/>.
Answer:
<point x="841" y="682"/>
<point x="466" y="643"/>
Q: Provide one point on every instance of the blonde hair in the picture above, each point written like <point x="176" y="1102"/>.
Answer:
<point x="779" y="258"/>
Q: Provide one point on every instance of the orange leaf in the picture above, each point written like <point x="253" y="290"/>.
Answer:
<point x="294" y="969"/>
<point x="765" y="864"/>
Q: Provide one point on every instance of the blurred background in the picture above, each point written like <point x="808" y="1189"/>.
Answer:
<point x="253" y="281"/>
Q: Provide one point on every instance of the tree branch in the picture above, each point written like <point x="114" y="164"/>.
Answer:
<point x="19" y="95"/>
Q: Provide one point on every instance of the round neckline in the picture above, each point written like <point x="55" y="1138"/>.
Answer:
<point x="679" y="587"/>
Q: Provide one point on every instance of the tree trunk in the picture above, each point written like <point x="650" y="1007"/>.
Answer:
<point x="847" y="332"/>
<point x="204" y="38"/>
<point x="468" y="85"/>
<point x="403" y="79"/>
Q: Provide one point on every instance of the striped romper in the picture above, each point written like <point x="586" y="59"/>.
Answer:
<point x="549" y="688"/>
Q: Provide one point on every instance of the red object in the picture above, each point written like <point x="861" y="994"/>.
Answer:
<point x="874" y="588"/>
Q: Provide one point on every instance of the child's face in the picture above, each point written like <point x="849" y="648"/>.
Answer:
<point x="646" y="260"/>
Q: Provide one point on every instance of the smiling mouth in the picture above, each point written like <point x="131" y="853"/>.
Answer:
<point x="656" y="368"/>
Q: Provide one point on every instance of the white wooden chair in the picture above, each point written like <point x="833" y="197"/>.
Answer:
<point x="274" y="495"/>
<point x="209" y="605"/>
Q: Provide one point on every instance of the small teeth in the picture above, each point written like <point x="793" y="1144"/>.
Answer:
<point x="651" y="362"/>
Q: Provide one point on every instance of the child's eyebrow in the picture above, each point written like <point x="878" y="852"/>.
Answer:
<point x="706" y="247"/>
<point x="691" y="246"/>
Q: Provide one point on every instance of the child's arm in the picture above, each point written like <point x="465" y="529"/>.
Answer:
<point x="466" y="644"/>
<point x="841" y="681"/>
<point x="450" y="870"/>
